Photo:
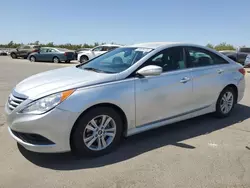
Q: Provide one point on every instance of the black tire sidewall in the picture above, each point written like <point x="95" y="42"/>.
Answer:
<point x="219" y="113"/>
<point x="53" y="60"/>
<point x="33" y="57"/>
<point x="13" y="55"/>
<point x="77" y="143"/>
<point x="84" y="58"/>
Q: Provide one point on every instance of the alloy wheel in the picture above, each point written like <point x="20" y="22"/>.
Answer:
<point x="226" y="103"/>
<point x="32" y="59"/>
<point x="99" y="132"/>
<point x="56" y="60"/>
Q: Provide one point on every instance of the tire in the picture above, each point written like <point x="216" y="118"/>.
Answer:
<point x="229" y="103"/>
<point x="56" y="60"/>
<point x="32" y="58"/>
<point x="84" y="59"/>
<point x="83" y="127"/>
<point x="13" y="55"/>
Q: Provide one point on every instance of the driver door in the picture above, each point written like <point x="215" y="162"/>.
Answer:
<point x="165" y="96"/>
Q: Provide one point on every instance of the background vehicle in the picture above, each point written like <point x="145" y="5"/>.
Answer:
<point x="86" y="55"/>
<point x="24" y="51"/>
<point x="89" y="107"/>
<point x="247" y="62"/>
<point x="55" y="55"/>
<point x="80" y="50"/>
<point x="239" y="55"/>
<point x="3" y="53"/>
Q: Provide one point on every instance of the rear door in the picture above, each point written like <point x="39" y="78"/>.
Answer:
<point x="208" y="74"/>
<point x="51" y="53"/>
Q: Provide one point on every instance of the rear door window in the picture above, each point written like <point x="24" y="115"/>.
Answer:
<point x="198" y="57"/>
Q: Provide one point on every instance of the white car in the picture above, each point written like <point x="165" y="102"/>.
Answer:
<point x="86" y="55"/>
<point x="247" y="61"/>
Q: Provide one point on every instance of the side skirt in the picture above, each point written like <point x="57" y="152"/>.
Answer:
<point x="174" y="119"/>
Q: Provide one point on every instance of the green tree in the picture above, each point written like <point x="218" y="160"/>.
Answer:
<point x="224" y="46"/>
<point x="210" y="46"/>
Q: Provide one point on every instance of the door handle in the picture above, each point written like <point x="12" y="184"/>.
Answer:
<point x="220" y="71"/>
<point x="185" y="80"/>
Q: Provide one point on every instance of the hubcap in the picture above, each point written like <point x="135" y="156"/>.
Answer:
<point x="32" y="59"/>
<point x="83" y="60"/>
<point x="56" y="60"/>
<point x="99" y="132"/>
<point x="226" y="103"/>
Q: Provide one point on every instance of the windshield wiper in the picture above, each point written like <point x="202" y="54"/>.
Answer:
<point x="96" y="70"/>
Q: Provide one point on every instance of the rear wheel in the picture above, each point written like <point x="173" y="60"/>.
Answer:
<point x="97" y="132"/>
<point x="84" y="59"/>
<point x="56" y="60"/>
<point x="13" y="55"/>
<point x="32" y="59"/>
<point x="226" y="102"/>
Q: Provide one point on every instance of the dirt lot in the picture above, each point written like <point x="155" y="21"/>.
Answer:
<point x="201" y="152"/>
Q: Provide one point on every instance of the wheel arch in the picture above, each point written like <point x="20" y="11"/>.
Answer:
<point x="117" y="108"/>
<point x="56" y="57"/>
<point x="84" y="55"/>
<point x="235" y="89"/>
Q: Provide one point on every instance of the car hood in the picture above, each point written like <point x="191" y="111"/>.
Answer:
<point x="57" y="80"/>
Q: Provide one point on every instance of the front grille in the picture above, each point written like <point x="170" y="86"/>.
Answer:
<point x="32" y="138"/>
<point x="14" y="101"/>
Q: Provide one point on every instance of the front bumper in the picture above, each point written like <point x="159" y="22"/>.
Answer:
<point x="55" y="125"/>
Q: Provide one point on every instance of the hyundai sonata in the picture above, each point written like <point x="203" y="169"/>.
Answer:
<point x="89" y="107"/>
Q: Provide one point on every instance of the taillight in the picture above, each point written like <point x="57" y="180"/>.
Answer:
<point x="35" y="51"/>
<point x="242" y="71"/>
<point x="65" y="53"/>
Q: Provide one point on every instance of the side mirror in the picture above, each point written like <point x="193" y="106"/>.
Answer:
<point x="150" y="70"/>
<point x="17" y="49"/>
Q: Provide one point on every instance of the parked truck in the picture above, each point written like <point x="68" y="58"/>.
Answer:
<point x="239" y="55"/>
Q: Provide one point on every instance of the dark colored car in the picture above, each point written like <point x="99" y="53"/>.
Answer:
<point x="55" y="55"/>
<point x="239" y="55"/>
<point x="24" y="51"/>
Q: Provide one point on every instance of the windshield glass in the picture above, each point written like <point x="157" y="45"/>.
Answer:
<point x="116" y="60"/>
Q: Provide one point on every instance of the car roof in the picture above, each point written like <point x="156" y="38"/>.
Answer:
<point x="155" y="45"/>
<point x="115" y="45"/>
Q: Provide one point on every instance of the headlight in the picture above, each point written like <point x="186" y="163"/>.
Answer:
<point x="45" y="104"/>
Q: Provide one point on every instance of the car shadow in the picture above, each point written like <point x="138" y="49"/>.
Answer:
<point x="136" y="145"/>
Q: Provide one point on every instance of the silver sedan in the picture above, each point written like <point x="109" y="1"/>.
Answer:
<point x="89" y="107"/>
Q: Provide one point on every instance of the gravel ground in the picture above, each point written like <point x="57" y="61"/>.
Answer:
<point x="201" y="152"/>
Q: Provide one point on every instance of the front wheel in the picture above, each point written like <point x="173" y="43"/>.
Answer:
<point x="84" y="59"/>
<point x="97" y="132"/>
<point x="32" y="59"/>
<point x="13" y="55"/>
<point x="225" y="102"/>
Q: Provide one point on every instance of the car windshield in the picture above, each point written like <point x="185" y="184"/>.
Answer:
<point x="116" y="60"/>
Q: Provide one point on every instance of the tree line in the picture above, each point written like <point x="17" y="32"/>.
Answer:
<point x="11" y="44"/>
<point x="69" y="46"/>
